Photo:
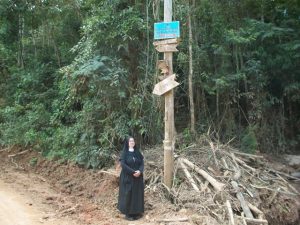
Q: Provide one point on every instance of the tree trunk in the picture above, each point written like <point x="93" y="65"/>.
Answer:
<point x="20" y="46"/>
<point x="56" y="49"/>
<point x="191" y="94"/>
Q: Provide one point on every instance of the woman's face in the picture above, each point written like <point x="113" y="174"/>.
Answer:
<point x="131" y="143"/>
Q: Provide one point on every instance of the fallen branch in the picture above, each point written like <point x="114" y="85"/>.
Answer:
<point x="230" y="213"/>
<point x="69" y="210"/>
<point x="259" y="221"/>
<point x="274" y="195"/>
<point x="173" y="220"/>
<point x="237" y="171"/>
<point x="284" y="174"/>
<point x="240" y="161"/>
<point x="189" y="177"/>
<point x="19" y="153"/>
<point x="169" y="190"/>
<point x="248" y="191"/>
<point x="240" y="197"/>
<point x="287" y="183"/>
<point x="243" y="218"/>
<point x="213" y="151"/>
<point x="296" y="174"/>
<point x="218" y="186"/>
<point x="270" y="189"/>
<point x="245" y="165"/>
<point x="191" y="146"/>
<point x="248" y="155"/>
<point x="205" y="186"/>
<point x="224" y="163"/>
<point x="110" y="173"/>
<point x="42" y="179"/>
<point x="4" y="150"/>
<point x="255" y="209"/>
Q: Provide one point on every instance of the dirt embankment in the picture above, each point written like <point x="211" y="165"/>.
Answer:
<point x="56" y="192"/>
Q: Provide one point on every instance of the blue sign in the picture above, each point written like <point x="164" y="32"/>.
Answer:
<point x="166" y="30"/>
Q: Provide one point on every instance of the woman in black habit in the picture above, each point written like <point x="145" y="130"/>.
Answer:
<point x="131" y="186"/>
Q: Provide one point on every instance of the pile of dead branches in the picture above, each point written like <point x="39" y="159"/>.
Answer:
<point x="231" y="186"/>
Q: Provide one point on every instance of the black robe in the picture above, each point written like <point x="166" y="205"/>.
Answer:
<point x="131" y="189"/>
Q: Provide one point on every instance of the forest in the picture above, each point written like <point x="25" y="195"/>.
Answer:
<point x="76" y="77"/>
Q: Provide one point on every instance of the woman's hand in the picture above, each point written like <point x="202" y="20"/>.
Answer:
<point x="137" y="173"/>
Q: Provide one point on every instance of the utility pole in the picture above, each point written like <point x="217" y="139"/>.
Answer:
<point x="169" y="141"/>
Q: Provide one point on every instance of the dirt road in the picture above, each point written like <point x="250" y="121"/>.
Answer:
<point x="13" y="210"/>
<point x="16" y="208"/>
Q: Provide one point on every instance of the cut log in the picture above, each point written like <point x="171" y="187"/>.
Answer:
<point x="240" y="197"/>
<point x="189" y="176"/>
<point x="218" y="186"/>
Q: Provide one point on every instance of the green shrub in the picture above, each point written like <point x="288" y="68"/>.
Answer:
<point x="249" y="141"/>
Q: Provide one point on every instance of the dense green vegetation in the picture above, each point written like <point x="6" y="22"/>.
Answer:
<point x="77" y="76"/>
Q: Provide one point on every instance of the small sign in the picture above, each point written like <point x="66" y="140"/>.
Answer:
<point x="167" y="41"/>
<point x="163" y="66"/>
<point x="165" y="85"/>
<point x="167" y="48"/>
<point x="166" y="30"/>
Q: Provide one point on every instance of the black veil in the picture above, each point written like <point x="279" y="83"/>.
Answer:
<point x="126" y="150"/>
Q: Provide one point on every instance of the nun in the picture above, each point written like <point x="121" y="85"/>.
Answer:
<point x="131" y="183"/>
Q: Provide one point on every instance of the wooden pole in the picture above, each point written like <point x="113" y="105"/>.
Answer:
<point x="169" y="141"/>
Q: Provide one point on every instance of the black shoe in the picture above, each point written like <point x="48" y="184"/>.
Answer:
<point x="138" y="216"/>
<point x="130" y="218"/>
